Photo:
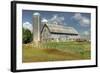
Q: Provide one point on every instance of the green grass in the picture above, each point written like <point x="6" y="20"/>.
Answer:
<point x="56" y="51"/>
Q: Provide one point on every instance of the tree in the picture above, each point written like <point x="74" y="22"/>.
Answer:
<point x="27" y="36"/>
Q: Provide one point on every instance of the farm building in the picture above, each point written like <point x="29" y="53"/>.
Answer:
<point x="45" y="31"/>
<point x="55" y="32"/>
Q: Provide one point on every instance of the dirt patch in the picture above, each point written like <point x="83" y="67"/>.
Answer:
<point x="60" y="53"/>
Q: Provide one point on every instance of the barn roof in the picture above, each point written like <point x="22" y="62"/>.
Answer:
<point x="59" y="29"/>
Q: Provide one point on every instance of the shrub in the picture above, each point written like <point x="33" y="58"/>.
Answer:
<point x="27" y="36"/>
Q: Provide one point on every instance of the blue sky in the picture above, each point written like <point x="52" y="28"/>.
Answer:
<point x="80" y="21"/>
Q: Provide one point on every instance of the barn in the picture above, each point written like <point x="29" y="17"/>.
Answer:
<point x="55" y="32"/>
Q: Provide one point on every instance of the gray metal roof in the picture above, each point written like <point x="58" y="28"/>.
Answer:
<point x="54" y="28"/>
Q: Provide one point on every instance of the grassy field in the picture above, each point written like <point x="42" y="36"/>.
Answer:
<point x="53" y="51"/>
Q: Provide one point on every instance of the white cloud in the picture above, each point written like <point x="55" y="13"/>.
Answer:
<point x="86" y="33"/>
<point x="28" y="25"/>
<point x="44" y="20"/>
<point x="56" y="19"/>
<point x="82" y="20"/>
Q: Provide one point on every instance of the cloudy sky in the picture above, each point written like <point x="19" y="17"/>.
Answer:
<point x="80" y="21"/>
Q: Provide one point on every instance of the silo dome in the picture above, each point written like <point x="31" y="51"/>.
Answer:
<point x="44" y="20"/>
<point x="36" y="13"/>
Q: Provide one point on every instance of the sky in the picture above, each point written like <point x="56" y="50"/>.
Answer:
<point x="80" y="21"/>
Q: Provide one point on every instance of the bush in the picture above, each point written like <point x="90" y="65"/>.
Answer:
<point x="27" y="36"/>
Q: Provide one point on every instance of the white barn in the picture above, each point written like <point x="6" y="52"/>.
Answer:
<point x="55" y="32"/>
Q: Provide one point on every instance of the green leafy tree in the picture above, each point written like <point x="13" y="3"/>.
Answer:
<point x="27" y="36"/>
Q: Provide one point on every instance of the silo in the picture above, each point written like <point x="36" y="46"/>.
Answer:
<point x="36" y="28"/>
<point x="43" y="21"/>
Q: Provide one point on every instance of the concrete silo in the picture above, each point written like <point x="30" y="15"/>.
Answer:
<point x="43" y="22"/>
<point x="36" y="28"/>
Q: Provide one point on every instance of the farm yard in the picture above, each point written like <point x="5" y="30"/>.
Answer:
<point x="56" y="51"/>
<point x="55" y="37"/>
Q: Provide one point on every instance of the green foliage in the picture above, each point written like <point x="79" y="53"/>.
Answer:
<point x="27" y="36"/>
